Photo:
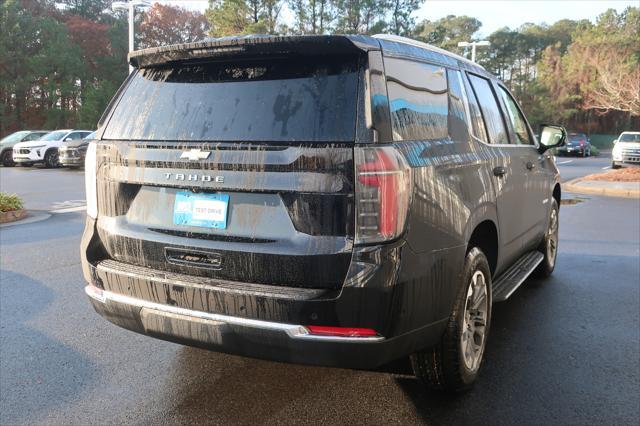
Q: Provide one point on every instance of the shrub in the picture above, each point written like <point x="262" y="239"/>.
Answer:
<point x="9" y="202"/>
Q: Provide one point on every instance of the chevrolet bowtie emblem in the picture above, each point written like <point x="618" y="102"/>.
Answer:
<point x="195" y="154"/>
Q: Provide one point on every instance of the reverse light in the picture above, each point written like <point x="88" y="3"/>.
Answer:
<point x="90" y="180"/>
<point x="319" y="330"/>
<point x="383" y="194"/>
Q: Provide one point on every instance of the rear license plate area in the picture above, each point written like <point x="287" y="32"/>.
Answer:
<point x="201" y="210"/>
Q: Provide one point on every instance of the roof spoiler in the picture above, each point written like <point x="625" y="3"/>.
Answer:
<point x="252" y="45"/>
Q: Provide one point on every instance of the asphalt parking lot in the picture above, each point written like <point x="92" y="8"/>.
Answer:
<point x="564" y="351"/>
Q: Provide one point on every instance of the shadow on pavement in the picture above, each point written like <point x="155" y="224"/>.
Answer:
<point x="37" y="372"/>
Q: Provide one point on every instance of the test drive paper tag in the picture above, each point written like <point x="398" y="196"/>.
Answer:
<point x="206" y="210"/>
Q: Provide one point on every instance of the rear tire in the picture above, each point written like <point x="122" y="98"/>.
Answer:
<point x="614" y="165"/>
<point x="453" y="364"/>
<point x="7" y="158"/>
<point x="549" y="245"/>
<point x="51" y="159"/>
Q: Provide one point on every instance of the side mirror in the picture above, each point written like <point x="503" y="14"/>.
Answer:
<point x="67" y="139"/>
<point x="615" y="141"/>
<point x="551" y="136"/>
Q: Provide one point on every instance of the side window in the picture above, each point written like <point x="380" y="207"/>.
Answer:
<point x="75" y="136"/>
<point x="477" y="123"/>
<point x="34" y="136"/>
<point x="458" y="121"/>
<point x="517" y="119"/>
<point x="418" y="100"/>
<point x="490" y="110"/>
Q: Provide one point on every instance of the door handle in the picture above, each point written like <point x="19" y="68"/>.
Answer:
<point x="530" y="165"/>
<point x="499" y="171"/>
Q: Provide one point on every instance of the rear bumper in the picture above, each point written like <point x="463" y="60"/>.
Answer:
<point x="275" y="341"/>
<point x="262" y="321"/>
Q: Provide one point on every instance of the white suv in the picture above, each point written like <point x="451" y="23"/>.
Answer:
<point x="626" y="150"/>
<point x="45" y="149"/>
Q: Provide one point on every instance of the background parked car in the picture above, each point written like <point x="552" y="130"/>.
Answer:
<point x="45" y="149"/>
<point x="626" y="150"/>
<point x="72" y="153"/>
<point x="577" y="144"/>
<point x="7" y="143"/>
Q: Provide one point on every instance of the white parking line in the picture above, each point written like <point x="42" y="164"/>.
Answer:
<point x="605" y="168"/>
<point x="566" y="162"/>
<point x="69" y="210"/>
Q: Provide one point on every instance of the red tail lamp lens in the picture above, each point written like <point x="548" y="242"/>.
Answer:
<point x="383" y="190"/>
<point x="320" y="330"/>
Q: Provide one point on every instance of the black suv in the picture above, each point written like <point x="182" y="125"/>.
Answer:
<point x="331" y="200"/>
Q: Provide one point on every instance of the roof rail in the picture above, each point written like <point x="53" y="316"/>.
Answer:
<point x="416" y="43"/>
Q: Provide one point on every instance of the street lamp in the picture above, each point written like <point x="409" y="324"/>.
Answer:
<point x="473" y="45"/>
<point x="131" y="7"/>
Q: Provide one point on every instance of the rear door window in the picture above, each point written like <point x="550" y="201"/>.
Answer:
<point x="490" y="110"/>
<point x="279" y="99"/>
<point x="417" y="99"/>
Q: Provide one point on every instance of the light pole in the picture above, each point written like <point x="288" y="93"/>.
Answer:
<point x="131" y="7"/>
<point x="473" y="45"/>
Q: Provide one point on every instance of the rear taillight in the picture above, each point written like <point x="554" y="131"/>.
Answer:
<point x="383" y="193"/>
<point x="90" y="180"/>
<point x="318" y="330"/>
<point x="581" y="142"/>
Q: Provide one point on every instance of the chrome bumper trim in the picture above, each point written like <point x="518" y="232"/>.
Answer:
<point x="292" y="330"/>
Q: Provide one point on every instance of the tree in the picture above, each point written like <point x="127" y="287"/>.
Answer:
<point x="402" y="23"/>
<point x="361" y="16"/>
<point x="92" y="9"/>
<point x="600" y="70"/>
<point x="312" y="16"/>
<point x="447" y="32"/>
<point x="162" y="25"/>
<point x="236" y="17"/>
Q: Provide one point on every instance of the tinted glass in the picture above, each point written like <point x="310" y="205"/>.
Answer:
<point x="76" y="135"/>
<point x="54" y="136"/>
<point x="629" y="137"/>
<point x="90" y="135"/>
<point x="14" y="137"/>
<point x="418" y="100"/>
<point x="458" y="124"/>
<point x="34" y="136"/>
<point x="477" y="123"/>
<point x="308" y="99"/>
<point x="517" y="120"/>
<point x="490" y="110"/>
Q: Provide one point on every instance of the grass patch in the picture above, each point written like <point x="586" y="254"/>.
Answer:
<point x="9" y="202"/>
<point x="595" y="151"/>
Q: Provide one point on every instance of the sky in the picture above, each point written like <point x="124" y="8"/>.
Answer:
<point x="495" y="14"/>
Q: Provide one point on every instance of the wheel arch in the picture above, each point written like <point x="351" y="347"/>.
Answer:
<point x="557" y="194"/>
<point x="485" y="237"/>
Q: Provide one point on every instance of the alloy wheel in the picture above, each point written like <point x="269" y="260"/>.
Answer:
<point x="474" y="328"/>
<point x="552" y="237"/>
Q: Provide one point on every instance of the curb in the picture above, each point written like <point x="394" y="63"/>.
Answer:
<point x="33" y="216"/>
<point x="12" y="216"/>
<point x="574" y="186"/>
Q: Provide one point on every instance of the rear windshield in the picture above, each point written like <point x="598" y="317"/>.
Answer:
<point x="299" y="99"/>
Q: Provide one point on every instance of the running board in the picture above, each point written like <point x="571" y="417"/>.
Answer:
<point x="504" y="286"/>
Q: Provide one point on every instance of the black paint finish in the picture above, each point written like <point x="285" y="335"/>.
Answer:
<point x="288" y="254"/>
